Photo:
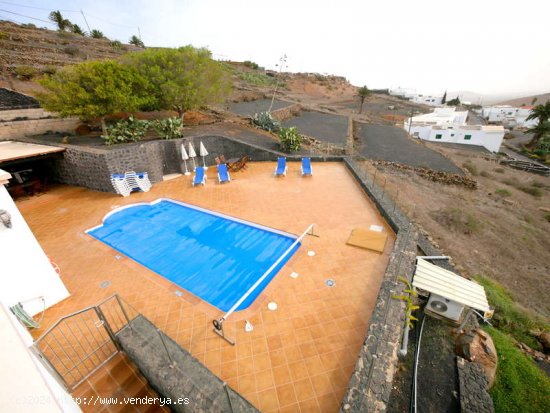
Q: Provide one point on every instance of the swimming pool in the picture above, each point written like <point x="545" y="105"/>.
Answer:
<point x="211" y="255"/>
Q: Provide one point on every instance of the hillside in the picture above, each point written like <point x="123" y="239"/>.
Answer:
<point x="527" y="100"/>
<point x="41" y="49"/>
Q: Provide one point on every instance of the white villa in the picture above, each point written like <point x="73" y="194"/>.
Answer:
<point x="509" y="115"/>
<point x="449" y="125"/>
<point x="410" y="94"/>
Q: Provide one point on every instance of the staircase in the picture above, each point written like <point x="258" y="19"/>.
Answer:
<point x="106" y="388"/>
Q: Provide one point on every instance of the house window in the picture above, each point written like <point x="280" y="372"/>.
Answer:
<point x="467" y="137"/>
<point x="452" y="134"/>
<point x="438" y="136"/>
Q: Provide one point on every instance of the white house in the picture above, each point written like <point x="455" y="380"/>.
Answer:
<point x="410" y="94"/>
<point x="441" y="116"/>
<point x="449" y="125"/>
<point x="430" y="100"/>
<point x="403" y="92"/>
<point x="509" y="115"/>
<point x="28" y="279"/>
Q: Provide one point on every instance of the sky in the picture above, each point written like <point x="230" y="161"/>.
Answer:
<point x="485" y="46"/>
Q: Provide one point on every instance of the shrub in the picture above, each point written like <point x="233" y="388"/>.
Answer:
<point x="503" y="192"/>
<point x="289" y="139"/>
<point x="49" y="70"/>
<point x="126" y="130"/>
<point x="538" y="184"/>
<point x="265" y="121"/>
<point x="182" y="79"/>
<point x="470" y="167"/>
<point x="94" y="89"/>
<point x="72" y="50"/>
<point x="96" y="34"/>
<point x="116" y="45"/>
<point x="547" y="217"/>
<point x="520" y="386"/>
<point x="169" y="128"/>
<point x="499" y="170"/>
<point x="251" y="65"/>
<point x="485" y="174"/>
<point x="457" y="220"/>
<point x="536" y="192"/>
<point x="258" y="79"/>
<point x="25" y="72"/>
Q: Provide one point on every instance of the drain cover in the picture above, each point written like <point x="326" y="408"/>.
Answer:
<point x="105" y="284"/>
<point x="330" y="282"/>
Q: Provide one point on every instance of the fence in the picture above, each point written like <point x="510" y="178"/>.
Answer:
<point x="80" y="343"/>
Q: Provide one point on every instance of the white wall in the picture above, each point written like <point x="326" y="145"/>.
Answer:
<point x="25" y="270"/>
<point x="488" y="139"/>
<point x="25" y="385"/>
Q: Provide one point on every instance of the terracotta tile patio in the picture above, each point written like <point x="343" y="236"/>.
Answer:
<point x="298" y="358"/>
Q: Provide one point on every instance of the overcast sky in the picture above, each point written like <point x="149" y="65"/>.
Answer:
<point x="485" y="46"/>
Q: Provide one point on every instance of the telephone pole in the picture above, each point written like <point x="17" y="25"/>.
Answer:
<point x="86" y="21"/>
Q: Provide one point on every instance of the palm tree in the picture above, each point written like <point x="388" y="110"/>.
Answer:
<point x="57" y="18"/>
<point x="542" y="128"/>
<point x="75" y="28"/>
<point x="363" y="93"/>
<point x="136" y="41"/>
<point x="96" y="34"/>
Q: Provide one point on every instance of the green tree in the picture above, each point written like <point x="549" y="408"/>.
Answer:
<point x="542" y="129"/>
<point x="454" y="102"/>
<point x="363" y="93"/>
<point x="57" y="18"/>
<point x="95" y="89"/>
<point x="96" y="34"/>
<point x="182" y="79"/>
<point x="444" y="98"/>
<point x="75" y="28"/>
<point x="136" y="41"/>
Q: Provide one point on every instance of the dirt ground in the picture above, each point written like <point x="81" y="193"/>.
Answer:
<point x="497" y="230"/>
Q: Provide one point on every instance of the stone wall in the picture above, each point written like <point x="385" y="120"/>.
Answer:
<point x="24" y="114"/>
<point x="286" y="112"/>
<point x="10" y="130"/>
<point x="174" y="373"/>
<point x="474" y="397"/>
<point x="371" y="382"/>
<point x="91" y="167"/>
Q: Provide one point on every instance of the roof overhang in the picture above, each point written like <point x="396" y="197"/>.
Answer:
<point x="437" y="280"/>
<point x="13" y="151"/>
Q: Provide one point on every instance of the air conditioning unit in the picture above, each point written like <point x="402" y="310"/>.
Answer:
<point x="444" y="307"/>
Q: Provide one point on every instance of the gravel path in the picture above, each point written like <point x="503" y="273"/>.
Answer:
<point x="256" y="106"/>
<point x="322" y="126"/>
<point x="390" y="143"/>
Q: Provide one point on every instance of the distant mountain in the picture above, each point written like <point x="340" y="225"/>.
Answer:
<point x="527" y="100"/>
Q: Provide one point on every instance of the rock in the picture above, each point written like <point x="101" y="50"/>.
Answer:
<point x="544" y="209"/>
<point x="476" y="345"/>
<point x="544" y="339"/>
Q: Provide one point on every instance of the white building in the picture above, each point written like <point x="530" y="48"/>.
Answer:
<point x="442" y="116"/>
<point x="430" y="100"/>
<point x="403" y="92"/>
<point x="410" y="94"/>
<point x="28" y="279"/>
<point x="509" y="115"/>
<point x="449" y="125"/>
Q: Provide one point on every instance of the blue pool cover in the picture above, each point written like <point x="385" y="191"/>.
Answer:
<point x="213" y="256"/>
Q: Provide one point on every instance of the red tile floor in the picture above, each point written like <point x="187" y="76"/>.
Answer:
<point x="298" y="358"/>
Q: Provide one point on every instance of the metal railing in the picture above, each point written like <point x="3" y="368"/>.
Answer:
<point x="80" y="343"/>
